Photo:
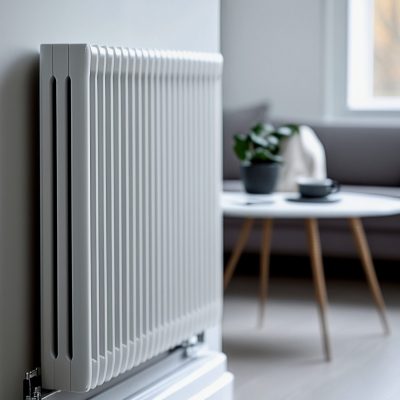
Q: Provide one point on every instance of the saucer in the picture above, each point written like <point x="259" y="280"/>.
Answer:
<point x="318" y="200"/>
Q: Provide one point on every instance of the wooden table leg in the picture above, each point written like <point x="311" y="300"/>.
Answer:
<point x="319" y="280"/>
<point x="366" y="259"/>
<point x="237" y="251"/>
<point x="264" y="266"/>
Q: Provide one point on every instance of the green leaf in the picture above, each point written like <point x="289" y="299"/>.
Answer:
<point x="294" y="127"/>
<point x="249" y="155"/>
<point x="273" y="141"/>
<point x="265" y="155"/>
<point x="258" y="140"/>
<point x="274" y="144"/>
<point x="258" y="128"/>
<point x="262" y="129"/>
<point x="283" y="132"/>
<point x="286" y="131"/>
<point x="241" y="145"/>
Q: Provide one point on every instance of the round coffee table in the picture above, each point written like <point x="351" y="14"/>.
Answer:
<point x="351" y="206"/>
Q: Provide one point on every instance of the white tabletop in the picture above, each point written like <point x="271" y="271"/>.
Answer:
<point x="239" y="204"/>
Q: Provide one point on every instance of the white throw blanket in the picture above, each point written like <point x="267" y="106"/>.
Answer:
<point x="304" y="156"/>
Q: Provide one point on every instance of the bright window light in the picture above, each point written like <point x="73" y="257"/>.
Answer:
<point x="373" y="71"/>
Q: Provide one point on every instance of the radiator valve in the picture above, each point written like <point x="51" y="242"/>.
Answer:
<point x="191" y="346"/>
<point x="32" y="389"/>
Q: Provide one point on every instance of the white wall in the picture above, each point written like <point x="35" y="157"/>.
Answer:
<point x="24" y="25"/>
<point x="273" y="51"/>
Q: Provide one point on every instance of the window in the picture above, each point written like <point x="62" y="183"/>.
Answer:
<point x="373" y="62"/>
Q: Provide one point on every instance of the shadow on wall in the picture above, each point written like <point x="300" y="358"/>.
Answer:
<point x="19" y="220"/>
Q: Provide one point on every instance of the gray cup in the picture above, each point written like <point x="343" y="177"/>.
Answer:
<point x="317" y="188"/>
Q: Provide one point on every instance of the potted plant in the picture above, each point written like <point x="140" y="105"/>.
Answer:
<point x="259" y="153"/>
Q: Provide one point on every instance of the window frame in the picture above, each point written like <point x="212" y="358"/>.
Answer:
<point x="338" y="70"/>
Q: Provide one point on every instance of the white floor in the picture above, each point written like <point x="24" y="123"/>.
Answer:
<point x="284" y="359"/>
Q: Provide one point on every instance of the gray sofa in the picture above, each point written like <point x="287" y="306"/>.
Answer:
<point x="362" y="158"/>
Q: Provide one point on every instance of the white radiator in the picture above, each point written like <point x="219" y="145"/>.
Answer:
<point x="130" y="219"/>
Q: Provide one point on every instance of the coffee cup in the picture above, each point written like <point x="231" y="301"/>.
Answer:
<point x="317" y="188"/>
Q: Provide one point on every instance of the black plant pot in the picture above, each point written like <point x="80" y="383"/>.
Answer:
<point x="260" y="178"/>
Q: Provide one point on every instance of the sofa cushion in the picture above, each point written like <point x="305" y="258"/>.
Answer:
<point x="364" y="154"/>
